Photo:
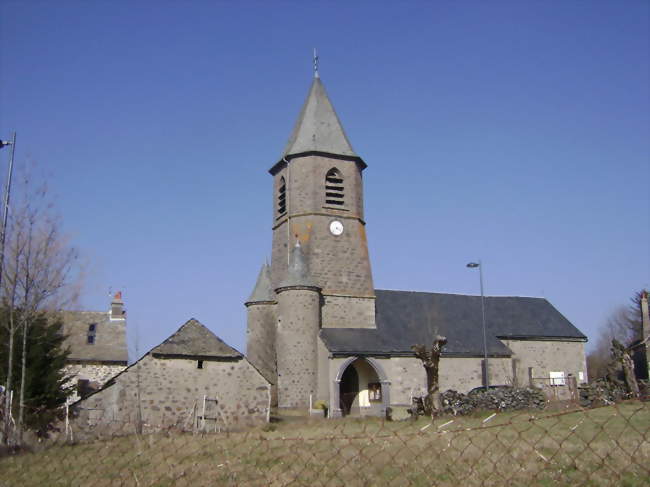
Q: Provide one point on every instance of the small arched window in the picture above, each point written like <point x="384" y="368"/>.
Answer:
<point x="282" y="197"/>
<point x="334" y="194"/>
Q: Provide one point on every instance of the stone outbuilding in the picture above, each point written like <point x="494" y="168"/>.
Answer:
<point x="191" y="380"/>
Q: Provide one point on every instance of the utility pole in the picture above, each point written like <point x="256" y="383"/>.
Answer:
<point x="5" y="209"/>
<point x="5" y="214"/>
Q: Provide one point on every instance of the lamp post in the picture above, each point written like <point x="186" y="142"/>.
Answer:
<point x="474" y="265"/>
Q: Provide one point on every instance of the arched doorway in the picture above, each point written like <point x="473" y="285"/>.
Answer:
<point x="361" y="387"/>
<point x="349" y="389"/>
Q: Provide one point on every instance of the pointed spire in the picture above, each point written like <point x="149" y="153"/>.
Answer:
<point x="298" y="272"/>
<point x="262" y="290"/>
<point x="318" y="127"/>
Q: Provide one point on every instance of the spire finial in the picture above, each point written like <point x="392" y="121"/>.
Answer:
<point x="316" y="64"/>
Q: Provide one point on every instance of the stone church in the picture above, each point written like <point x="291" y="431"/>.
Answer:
<point x="319" y="330"/>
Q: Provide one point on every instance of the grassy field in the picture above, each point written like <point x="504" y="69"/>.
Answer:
<point x="605" y="446"/>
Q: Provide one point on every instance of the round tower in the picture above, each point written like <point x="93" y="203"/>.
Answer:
<point x="261" y="329"/>
<point x="297" y="333"/>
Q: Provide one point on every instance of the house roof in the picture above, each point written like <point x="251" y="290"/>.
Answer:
<point x="194" y="340"/>
<point x="318" y="128"/>
<point x="109" y="343"/>
<point x="406" y="318"/>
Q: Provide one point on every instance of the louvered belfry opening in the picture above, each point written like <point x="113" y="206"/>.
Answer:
<point x="334" y="194"/>
<point x="282" y="197"/>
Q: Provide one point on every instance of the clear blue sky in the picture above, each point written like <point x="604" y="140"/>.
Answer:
<point x="515" y="132"/>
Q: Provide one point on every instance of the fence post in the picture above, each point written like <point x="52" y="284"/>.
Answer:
<point x="573" y="388"/>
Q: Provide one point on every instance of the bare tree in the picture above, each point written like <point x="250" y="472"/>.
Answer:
<point x="625" y="325"/>
<point x="39" y="274"/>
<point x="431" y="362"/>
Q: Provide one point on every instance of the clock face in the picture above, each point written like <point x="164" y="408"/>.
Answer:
<point x="336" y="227"/>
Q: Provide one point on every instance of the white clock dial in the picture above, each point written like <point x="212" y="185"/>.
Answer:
<point x="336" y="227"/>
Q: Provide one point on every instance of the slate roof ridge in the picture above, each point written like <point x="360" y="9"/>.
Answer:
<point x="464" y="294"/>
<point x="318" y="127"/>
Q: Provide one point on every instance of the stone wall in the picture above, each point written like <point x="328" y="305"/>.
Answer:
<point x="545" y="357"/>
<point x="348" y="312"/>
<point x="171" y="392"/>
<point x="408" y="378"/>
<point x="96" y="373"/>
<point x="260" y="339"/>
<point x="501" y="399"/>
<point x="297" y="354"/>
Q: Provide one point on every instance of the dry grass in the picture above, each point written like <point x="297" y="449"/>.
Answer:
<point x="606" y="446"/>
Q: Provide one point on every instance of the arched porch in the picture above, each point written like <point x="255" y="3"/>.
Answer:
<point x="360" y="383"/>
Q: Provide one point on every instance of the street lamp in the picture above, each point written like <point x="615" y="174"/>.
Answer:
<point x="474" y="265"/>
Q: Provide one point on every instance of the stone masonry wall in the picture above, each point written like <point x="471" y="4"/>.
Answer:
<point x="348" y="312"/>
<point x="172" y="391"/>
<point x="260" y="339"/>
<point x="98" y="374"/>
<point x="339" y="264"/>
<point x="297" y="354"/>
<point x="547" y="356"/>
<point x="408" y="378"/>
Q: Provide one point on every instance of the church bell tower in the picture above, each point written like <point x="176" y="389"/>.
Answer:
<point x="318" y="201"/>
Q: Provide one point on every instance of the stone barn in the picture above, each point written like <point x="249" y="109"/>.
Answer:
<point x="191" y="380"/>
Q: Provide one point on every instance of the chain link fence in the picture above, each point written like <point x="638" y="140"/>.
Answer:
<point x="601" y="446"/>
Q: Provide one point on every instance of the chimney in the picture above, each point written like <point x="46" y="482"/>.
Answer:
<point x="117" y="307"/>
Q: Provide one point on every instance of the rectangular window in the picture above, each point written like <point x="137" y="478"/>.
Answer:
<point x="557" y="378"/>
<point x="374" y="391"/>
<point x="91" y="339"/>
<point x="199" y="364"/>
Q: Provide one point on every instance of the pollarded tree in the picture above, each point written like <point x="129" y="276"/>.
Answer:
<point x="431" y="362"/>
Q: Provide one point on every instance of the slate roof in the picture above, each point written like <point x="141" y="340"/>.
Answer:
<point x="110" y="337"/>
<point x="194" y="340"/>
<point x="406" y="318"/>
<point x="262" y="290"/>
<point x="318" y="128"/>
